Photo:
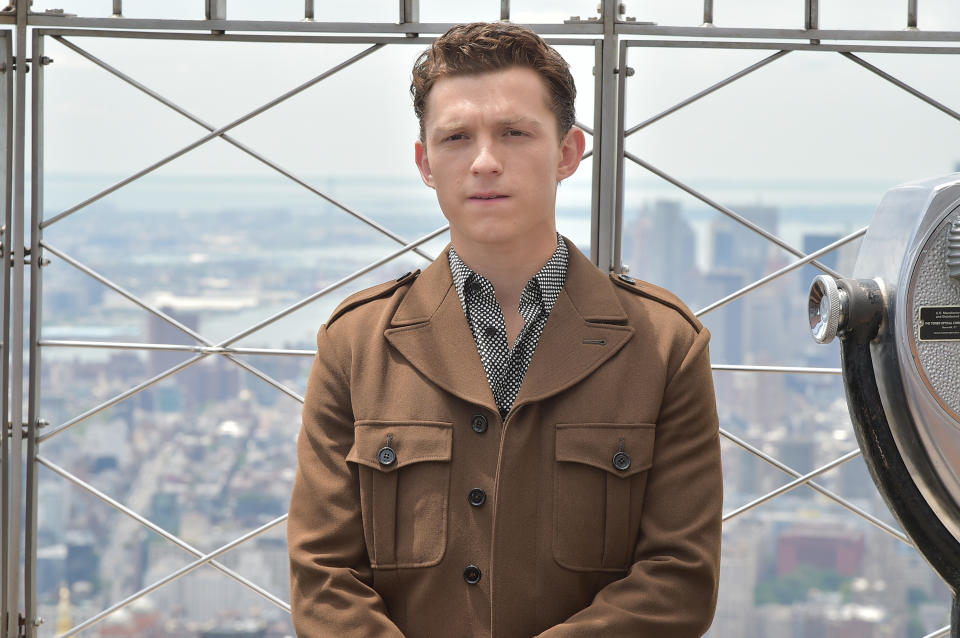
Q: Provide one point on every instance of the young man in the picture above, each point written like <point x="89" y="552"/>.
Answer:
<point x="512" y="443"/>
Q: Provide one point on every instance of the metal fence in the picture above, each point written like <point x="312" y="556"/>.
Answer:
<point x="610" y="33"/>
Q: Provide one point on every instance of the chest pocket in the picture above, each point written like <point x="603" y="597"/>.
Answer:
<point x="600" y="478"/>
<point x="404" y="472"/>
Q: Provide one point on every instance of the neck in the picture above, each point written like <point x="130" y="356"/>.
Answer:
<point x="508" y="268"/>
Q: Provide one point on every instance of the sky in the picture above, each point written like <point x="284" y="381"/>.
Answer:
<point x="807" y="116"/>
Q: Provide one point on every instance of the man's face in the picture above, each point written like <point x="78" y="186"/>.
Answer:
<point x="494" y="156"/>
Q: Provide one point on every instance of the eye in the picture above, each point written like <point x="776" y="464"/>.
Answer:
<point x="455" y="137"/>
<point x="515" y="133"/>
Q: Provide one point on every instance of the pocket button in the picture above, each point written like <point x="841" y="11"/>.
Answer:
<point x="387" y="456"/>
<point x="621" y="461"/>
<point x="479" y="423"/>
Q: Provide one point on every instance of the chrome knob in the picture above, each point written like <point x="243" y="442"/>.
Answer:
<point x="825" y="308"/>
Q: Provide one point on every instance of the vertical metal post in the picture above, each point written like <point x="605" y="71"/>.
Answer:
<point x="15" y="469"/>
<point x="606" y="151"/>
<point x="911" y="14"/>
<point x="117" y="8"/>
<point x="6" y="152"/>
<point x="409" y="11"/>
<point x="216" y="9"/>
<point x="623" y="72"/>
<point x="36" y="304"/>
<point x="708" y="13"/>
<point x="811" y="17"/>
<point x="505" y="10"/>
<point x="308" y="13"/>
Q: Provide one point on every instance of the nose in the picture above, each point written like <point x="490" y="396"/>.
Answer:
<point x="486" y="161"/>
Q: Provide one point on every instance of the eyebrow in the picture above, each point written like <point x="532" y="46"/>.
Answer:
<point x="454" y="125"/>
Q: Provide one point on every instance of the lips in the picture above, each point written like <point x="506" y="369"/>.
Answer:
<point x="487" y="196"/>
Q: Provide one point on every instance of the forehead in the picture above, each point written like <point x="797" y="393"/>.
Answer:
<point x="514" y="93"/>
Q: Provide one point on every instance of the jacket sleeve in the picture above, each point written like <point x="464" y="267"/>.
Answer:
<point x="671" y="589"/>
<point x="330" y="574"/>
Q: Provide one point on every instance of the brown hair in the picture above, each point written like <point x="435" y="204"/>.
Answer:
<point x="490" y="46"/>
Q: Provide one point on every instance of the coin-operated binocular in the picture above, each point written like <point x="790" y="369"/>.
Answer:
<point x="898" y="321"/>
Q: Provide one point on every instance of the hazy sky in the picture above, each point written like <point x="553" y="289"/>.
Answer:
<point x="806" y="116"/>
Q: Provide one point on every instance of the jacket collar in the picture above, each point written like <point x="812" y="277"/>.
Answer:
<point x="585" y="328"/>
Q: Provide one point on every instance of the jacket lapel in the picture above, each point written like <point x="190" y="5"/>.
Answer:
<point x="431" y="332"/>
<point x="586" y="327"/>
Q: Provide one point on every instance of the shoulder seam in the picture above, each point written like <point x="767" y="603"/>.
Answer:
<point x="639" y="288"/>
<point x="369" y="294"/>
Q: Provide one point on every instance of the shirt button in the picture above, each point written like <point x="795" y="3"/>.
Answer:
<point x="472" y="574"/>
<point x="479" y="423"/>
<point x="387" y="456"/>
<point x="621" y="461"/>
<point x="477" y="497"/>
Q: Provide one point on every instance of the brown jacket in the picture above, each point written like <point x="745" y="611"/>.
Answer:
<point x="569" y="541"/>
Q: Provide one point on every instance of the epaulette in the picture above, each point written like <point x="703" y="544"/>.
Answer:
<point x="369" y="294"/>
<point x="658" y="294"/>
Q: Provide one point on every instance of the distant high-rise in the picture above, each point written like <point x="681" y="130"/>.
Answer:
<point x="734" y="247"/>
<point x="660" y="247"/>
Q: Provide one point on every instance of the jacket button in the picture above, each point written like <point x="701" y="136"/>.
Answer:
<point x="387" y="456"/>
<point x="472" y="574"/>
<point x="477" y="497"/>
<point x="627" y="279"/>
<point x="479" y="423"/>
<point x="621" y="461"/>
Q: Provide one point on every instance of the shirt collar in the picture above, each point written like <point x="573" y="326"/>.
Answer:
<point x="545" y="285"/>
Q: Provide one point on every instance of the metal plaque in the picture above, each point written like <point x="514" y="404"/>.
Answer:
<point x="939" y="323"/>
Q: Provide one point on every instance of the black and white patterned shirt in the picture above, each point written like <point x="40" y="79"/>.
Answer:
<point x="505" y="366"/>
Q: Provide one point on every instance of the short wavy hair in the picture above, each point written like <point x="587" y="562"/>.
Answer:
<point x="481" y="47"/>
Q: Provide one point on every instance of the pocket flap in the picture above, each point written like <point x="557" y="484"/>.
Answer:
<point x="410" y="442"/>
<point x="621" y="449"/>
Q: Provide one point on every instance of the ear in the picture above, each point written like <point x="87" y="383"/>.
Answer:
<point x="420" y="155"/>
<point x="571" y="152"/>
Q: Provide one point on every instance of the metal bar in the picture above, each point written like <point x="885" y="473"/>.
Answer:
<point x="903" y="85"/>
<point x="124" y="292"/>
<point x="269" y="37"/>
<point x="505" y="10"/>
<point x="728" y="212"/>
<point x="708" y="13"/>
<point x="792" y="484"/>
<point x="839" y="500"/>
<point x="911" y="14"/>
<point x="602" y="235"/>
<point x="707" y="91"/>
<point x="438" y="28"/>
<point x="939" y="633"/>
<point x="7" y="580"/>
<point x="345" y="280"/>
<point x="635" y="29"/>
<point x="183" y="571"/>
<point x="117" y="9"/>
<point x="809" y="259"/>
<point x="583" y="127"/>
<point x="216" y="10"/>
<point x="727" y="367"/>
<point x="811" y="15"/>
<point x="118" y="398"/>
<point x="308" y="12"/>
<point x="243" y="147"/>
<point x="616" y="229"/>
<point x="206" y="138"/>
<point x="597" y="145"/>
<point x="36" y="308"/>
<point x="159" y="530"/>
<point x="266" y="377"/>
<point x="792" y="46"/>
<point x="14" y="468"/>
<point x="121" y="345"/>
